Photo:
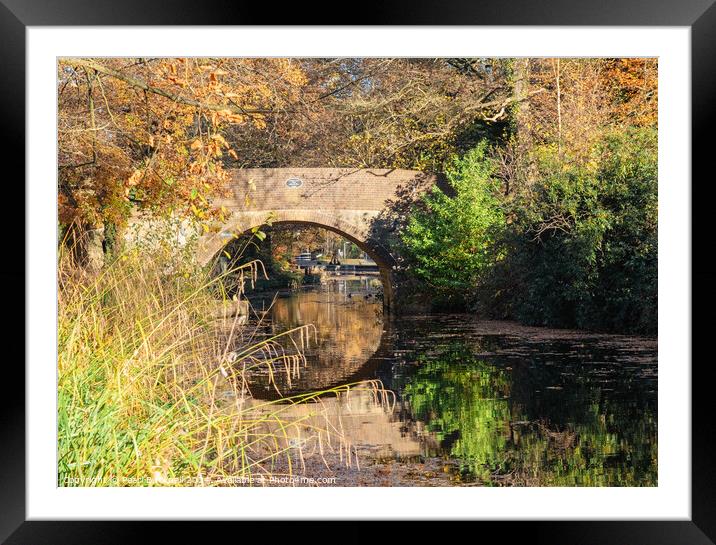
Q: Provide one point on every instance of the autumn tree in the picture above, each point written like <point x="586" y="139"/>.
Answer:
<point x="416" y="113"/>
<point x="400" y="113"/>
<point x="633" y="87"/>
<point x="150" y="133"/>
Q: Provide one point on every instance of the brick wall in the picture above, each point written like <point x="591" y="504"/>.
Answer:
<point x="320" y="188"/>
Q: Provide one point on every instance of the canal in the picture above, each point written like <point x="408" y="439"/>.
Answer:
<point x="467" y="401"/>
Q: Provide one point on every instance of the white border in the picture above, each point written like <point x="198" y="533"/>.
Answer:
<point x="670" y="500"/>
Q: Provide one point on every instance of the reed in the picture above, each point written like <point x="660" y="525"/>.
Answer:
<point x="153" y="390"/>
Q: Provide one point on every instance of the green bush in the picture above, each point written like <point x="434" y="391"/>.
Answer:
<point x="448" y="238"/>
<point x="576" y="248"/>
<point x="583" y="252"/>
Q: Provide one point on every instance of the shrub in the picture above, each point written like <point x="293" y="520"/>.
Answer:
<point x="448" y="239"/>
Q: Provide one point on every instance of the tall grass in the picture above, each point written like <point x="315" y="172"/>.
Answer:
<point x="153" y="390"/>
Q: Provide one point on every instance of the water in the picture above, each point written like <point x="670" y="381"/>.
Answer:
<point x="497" y="403"/>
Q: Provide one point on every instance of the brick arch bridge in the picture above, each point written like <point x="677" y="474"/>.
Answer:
<point x="359" y="204"/>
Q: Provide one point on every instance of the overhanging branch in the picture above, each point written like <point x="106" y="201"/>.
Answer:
<point x="135" y="82"/>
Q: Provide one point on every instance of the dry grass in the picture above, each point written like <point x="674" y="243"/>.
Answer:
<point x="154" y="391"/>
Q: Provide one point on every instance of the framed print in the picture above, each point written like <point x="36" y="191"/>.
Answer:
<point x="428" y="267"/>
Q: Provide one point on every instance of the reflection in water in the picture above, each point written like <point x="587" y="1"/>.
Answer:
<point x="366" y="417"/>
<point x="533" y="423"/>
<point x="349" y="327"/>
<point x="509" y="405"/>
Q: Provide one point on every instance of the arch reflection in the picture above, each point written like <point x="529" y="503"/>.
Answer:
<point x="351" y="336"/>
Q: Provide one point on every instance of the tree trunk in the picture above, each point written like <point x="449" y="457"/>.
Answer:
<point x="525" y="171"/>
<point x="520" y="90"/>
<point x="110" y="241"/>
<point x="93" y="243"/>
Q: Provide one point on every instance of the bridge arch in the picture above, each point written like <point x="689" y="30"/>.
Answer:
<point x="354" y="203"/>
<point x="212" y="246"/>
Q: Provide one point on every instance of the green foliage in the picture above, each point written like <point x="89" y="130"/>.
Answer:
<point x="448" y="238"/>
<point x="583" y="252"/>
<point x="577" y="249"/>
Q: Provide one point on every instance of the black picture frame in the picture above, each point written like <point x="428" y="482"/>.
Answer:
<point x="699" y="15"/>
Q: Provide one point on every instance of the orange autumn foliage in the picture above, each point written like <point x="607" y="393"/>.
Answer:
<point x="149" y="133"/>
